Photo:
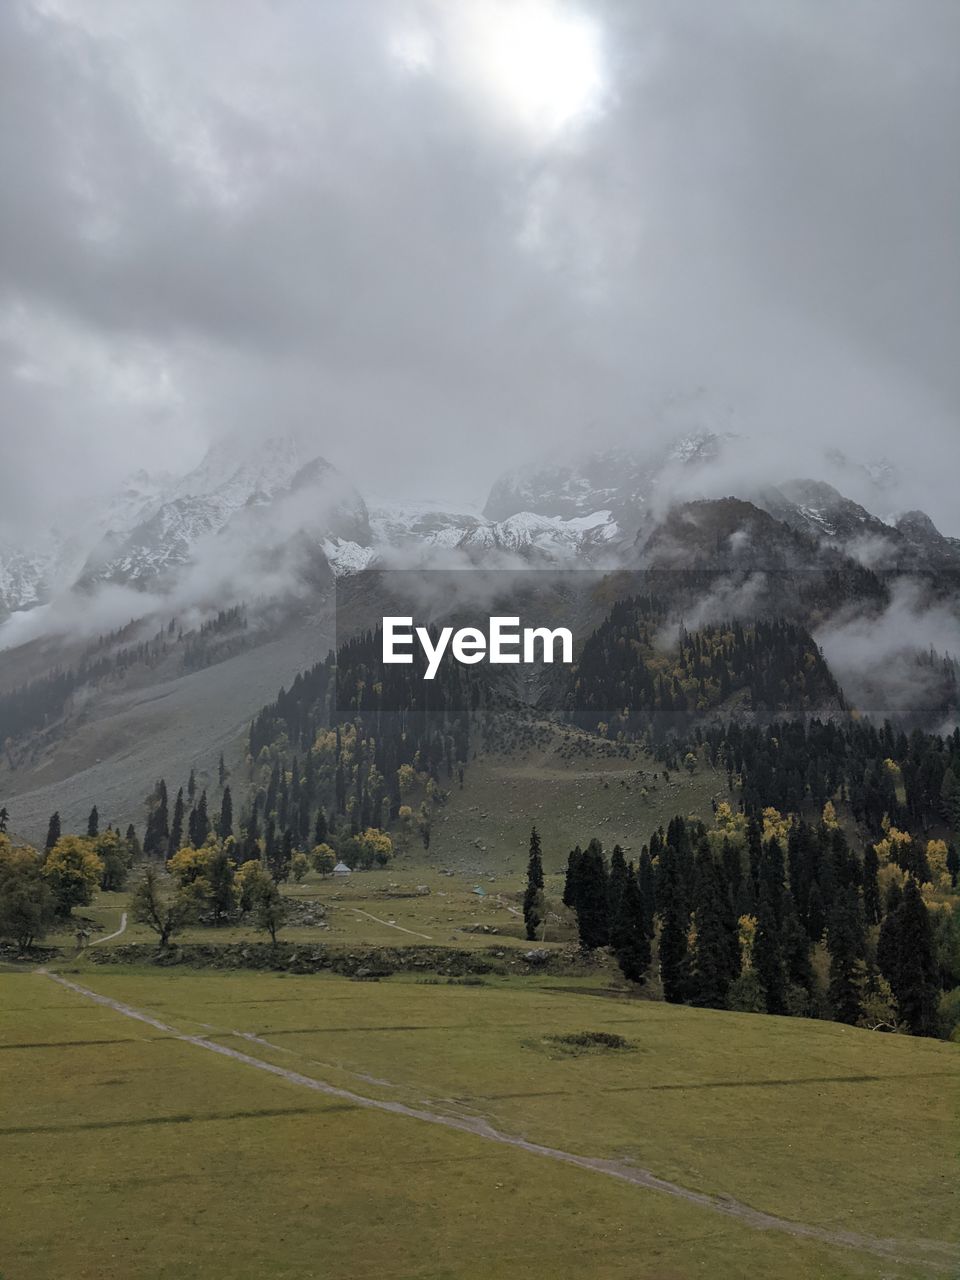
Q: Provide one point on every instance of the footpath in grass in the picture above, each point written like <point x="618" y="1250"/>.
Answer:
<point x="128" y="1147"/>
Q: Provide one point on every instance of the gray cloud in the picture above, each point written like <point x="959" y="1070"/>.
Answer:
<point x="253" y="217"/>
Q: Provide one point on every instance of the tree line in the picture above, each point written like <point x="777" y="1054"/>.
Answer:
<point x="776" y="915"/>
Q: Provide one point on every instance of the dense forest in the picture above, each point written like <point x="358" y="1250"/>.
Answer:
<point x="778" y="915"/>
<point x="631" y="682"/>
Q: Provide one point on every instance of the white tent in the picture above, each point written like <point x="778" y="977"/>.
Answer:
<point x="341" y="869"/>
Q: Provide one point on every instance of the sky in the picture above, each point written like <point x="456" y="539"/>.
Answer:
<point x="436" y="238"/>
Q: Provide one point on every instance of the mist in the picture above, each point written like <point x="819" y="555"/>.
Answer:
<point x="354" y="222"/>
<point x="874" y="656"/>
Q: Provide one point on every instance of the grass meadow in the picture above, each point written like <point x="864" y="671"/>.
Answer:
<point x="130" y="1153"/>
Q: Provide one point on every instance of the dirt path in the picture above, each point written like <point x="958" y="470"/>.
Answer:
<point x="390" y="925"/>
<point x="116" y="934"/>
<point x="933" y="1255"/>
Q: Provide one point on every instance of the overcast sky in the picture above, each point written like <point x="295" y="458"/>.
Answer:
<point x="442" y="236"/>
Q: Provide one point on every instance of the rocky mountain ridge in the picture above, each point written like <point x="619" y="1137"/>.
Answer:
<point x="273" y="509"/>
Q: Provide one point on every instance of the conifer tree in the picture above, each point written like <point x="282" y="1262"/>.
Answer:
<point x="176" y="826"/>
<point x="768" y="957"/>
<point x="871" y="886"/>
<point x="711" y="971"/>
<point x="816" y="914"/>
<point x="628" y="935"/>
<point x="271" y="847"/>
<point x="771" y="876"/>
<point x="157" y="834"/>
<point x="192" y="787"/>
<point x="320" y="828"/>
<point x="53" y="831"/>
<point x="917" y="987"/>
<point x="592" y="905"/>
<point x="225" y="823"/>
<point x="571" y="884"/>
<point x="533" y="897"/>
<point x="795" y="947"/>
<point x="646" y="882"/>
<point x="846" y="945"/>
<point x="755" y="854"/>
<point x="285" y="856"/>
<point x="199" y="822"/>
<point x="93" y="823"/>
<point x="616" y="880"/>
<point x="220" y="874"/>
<point x="674" y="912"/>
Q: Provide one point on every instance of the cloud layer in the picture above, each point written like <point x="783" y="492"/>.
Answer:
<point x="438" y="243"/>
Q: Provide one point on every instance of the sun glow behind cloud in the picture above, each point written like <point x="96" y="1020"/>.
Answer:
<point x="535" y="64"/>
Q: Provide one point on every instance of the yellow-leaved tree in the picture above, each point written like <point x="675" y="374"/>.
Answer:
<point x="324" y="859"/>
<point x="73" y="871"/>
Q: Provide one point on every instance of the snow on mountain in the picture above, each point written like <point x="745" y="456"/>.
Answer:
<point x="622" y="481"/>
<point x="267" y="515"/>
<point x="23" y="577"/>
<point x="415" y="535"/>
<point x="136" y="500"/>
<point x="816" y="507"/>
<point x="226" y="488"/>
<point x="420" y="525"/>
<point x="549" y="537"/>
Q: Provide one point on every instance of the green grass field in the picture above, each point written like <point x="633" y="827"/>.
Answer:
<point x="130" y="1153"/>
<point x="133" y="1154"/>
<point x="486" y="825"/>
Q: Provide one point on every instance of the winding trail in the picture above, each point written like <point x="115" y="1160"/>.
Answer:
<point x="390" y="925"/>
<point x="116" y="934"/>
<point x="933" y="1255"/>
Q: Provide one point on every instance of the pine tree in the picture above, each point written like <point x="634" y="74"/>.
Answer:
<point x="571" y="884"/>
<point x="192" y="787"/>
<point x="674" y="912"/>
<point x="646" y="882"/>
<point x="270" y="846"/>
<point x="53" y="832"/>
<point x="917" y="990"/>
<point x="225" y="823"/>
<point x="592" y="904"/>
<point x="320" y="828"/>
<point x="755" y="854"/>
<point x="221" y="772"/>
<point x="221" y="877"/>
<point x="871" y="886"/>
<point x="816" y="914"/>
<point x="199" y="822"/>
<point x="847" y="945"/>
<point x="768" y="957"/>
<point x="771" y="877"/>
<point x="628" y="935"/>
<point x="157" y="834"/>
<point x="4" y="819"/>
<point x="176" y="826"/>
<point x="533" y="897"/>
<point x="284" y="857"/>
<point x="711" y="971"/>
<point x="93" y="824"/>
